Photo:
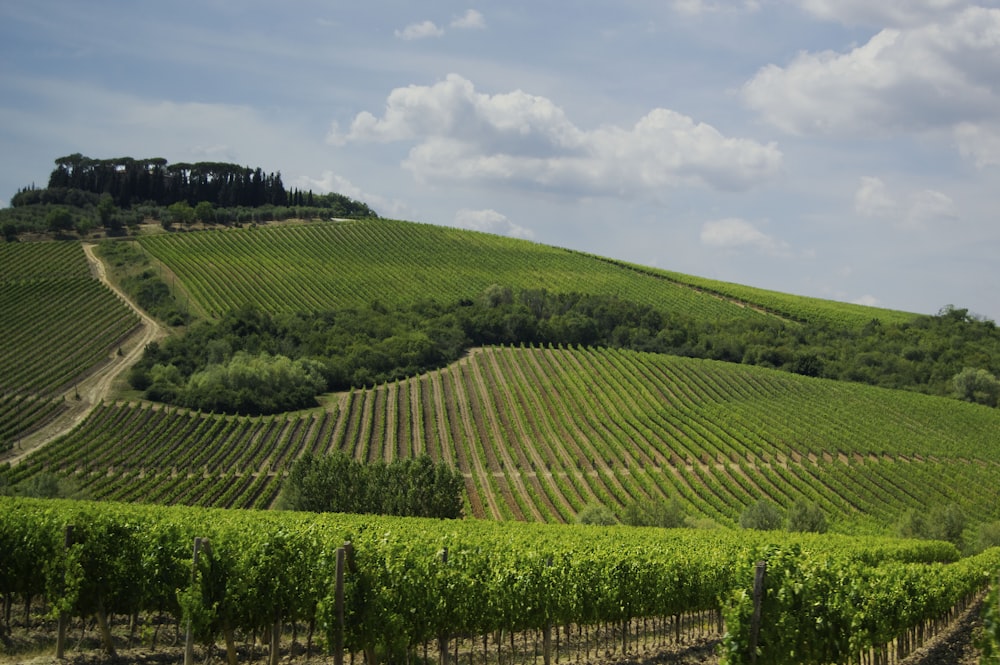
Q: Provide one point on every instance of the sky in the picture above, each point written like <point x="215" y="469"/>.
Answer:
<point x="843" y="149"/>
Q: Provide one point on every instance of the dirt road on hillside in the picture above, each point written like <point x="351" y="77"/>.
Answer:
<point x="95" y="386"/>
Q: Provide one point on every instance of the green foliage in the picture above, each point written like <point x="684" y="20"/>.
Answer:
<point x="822" y="609"/>
<point x="411" y="487"/>
<point x="107" y="212"/>
<point x="761" y="516"/>
<point x="204" y="212"/>
<point x="987" y="535"/>
<point x="596" y="515"/>
<point x="180" y="212"/>
<point x="947" y="522"/>
<point x="249" y="384"/>
<point x="807" y="516"/>
<point x="987" y="640"/>
<point x="977" y="385"/>
<point x="59" y="219"/>
<point x="410" y="580"/>
<point x="668" y="514"/>
<point x="47" y="485"/>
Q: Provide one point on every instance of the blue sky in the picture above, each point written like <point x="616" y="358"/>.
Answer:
<point x="844" y="149"/>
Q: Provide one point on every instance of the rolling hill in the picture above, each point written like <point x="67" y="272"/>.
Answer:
<point x="539" y="432"/>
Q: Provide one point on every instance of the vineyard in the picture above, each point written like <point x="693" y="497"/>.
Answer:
<point x="58" y="323"/>
<point x="350" y="264"/>
<point x="539" y="433"/>
<point x="410" y="585"/>
<point x="536" y="441"/>
<point x="783" y="304"/>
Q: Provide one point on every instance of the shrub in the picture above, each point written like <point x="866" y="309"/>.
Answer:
<point x="762" y="516"/>
<point x="598" y="515"/>
<point x="806" y="516"/>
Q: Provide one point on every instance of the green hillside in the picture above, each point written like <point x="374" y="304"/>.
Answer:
<point x="541" y="430"/>
<point x="541" y="433"/>
<point x="352" y="264"/>
<point x="58" y="323"/>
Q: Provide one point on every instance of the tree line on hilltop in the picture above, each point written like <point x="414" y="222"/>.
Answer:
<point x="83" y="193"/>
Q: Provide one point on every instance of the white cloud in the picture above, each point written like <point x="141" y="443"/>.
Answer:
<point x="490" y="221"/>
<point x="470" y="20"/>
<point x="873" y="200"/>
<point x="929" y="207"/>
<point x="880" y="13"/>
<point x="979" y="143"/>
<point x="937" y="76"/>
<point x="736" y="233"/>
<point x="910" y="210"/>
<point x="464" y="135"/>
<point x="695" y="7"/>
<point x="421" y="30"/>
<point x="868" y="300"/>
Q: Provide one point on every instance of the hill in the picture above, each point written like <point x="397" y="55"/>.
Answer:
<point x="353" y="263"/>
<point x="59" y="324"/>
<point x="541" y="433"/>
<point x="543" y="430"/>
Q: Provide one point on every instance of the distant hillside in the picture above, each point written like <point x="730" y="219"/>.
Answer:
<point x="384" y="263"/>
<point x="58" y="323"/>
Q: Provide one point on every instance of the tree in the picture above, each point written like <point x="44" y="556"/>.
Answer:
<point x="106" y="211"/>
<point x="664" y="514"/>
<point x="978" y="386"/>
<point x="762" y="516"/>
<point x="407" y="487"/>
<point x="939" y="523"/>
<point x="204" y="212"/>
<point x="59" y="219"/>
<point x="180" y="212"/>
<point x="806" y="516"/>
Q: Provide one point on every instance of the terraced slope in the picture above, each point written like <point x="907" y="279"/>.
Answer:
<point x="323" y="266"/>
<point x="58" y="323"/>
<point x="540" y="433"/>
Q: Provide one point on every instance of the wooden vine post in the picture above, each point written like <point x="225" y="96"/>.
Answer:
<point x="64" y="616"/>
<point x="345" y="559"/>
<point x="338" y="600"/>
<point x="443" y="639"/>
<point x="759" y="577"/>
<point x="200" y="545"/>
<point x="547" y="633"/>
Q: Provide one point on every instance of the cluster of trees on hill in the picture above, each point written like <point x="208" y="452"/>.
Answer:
<point x="411" y="487"/>
<point x="85" y="193"/>
<point x="254" y="362"/>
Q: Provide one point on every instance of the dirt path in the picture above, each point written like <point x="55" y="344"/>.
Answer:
<point x="96" y="385"/>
